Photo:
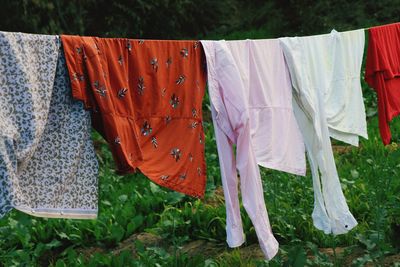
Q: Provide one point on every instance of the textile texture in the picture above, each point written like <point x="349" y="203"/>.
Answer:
<point x="48" y="165"/>
<point x="382" y="72"/>
<point x="146" y="101"/>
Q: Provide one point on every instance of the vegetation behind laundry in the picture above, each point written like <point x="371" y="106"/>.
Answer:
<point x="141" y="224"/>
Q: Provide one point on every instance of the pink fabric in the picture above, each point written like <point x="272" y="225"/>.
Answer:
<point x="250" y="94"/>
<point x="276" y="137"/>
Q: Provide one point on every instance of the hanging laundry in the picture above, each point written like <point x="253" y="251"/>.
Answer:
<point x="325" y="74"/>
<point x="275" y="135"/>
<point x="146" y="101"/>
<point x="250" y="95"/>
<point x="383" y="73"/>
<point x="48" y="166"/>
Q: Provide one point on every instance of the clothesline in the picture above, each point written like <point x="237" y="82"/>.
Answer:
<point x="273" y="99"/>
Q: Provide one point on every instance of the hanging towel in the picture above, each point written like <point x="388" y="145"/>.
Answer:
<point x="146" y="101"/>
<point x="48" y="166"/>
<point x="325" y="74"/>
<point x="251" y="108"/>
<point x="383" y="73"/>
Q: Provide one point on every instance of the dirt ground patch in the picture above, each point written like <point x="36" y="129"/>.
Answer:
<point x="214" y="250"/>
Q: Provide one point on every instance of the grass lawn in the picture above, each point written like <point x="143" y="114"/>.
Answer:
<point x="141" y="224"/>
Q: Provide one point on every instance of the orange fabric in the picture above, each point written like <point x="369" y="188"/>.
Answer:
<point x="146" y="101"/>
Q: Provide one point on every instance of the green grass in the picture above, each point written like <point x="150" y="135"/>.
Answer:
<point x="131" y="204"/>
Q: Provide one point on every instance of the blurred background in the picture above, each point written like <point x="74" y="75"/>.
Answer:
<point x="178" y="19"/>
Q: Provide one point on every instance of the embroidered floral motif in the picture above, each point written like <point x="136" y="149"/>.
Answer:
<point x="169" y="62"/>
<point x="79" y="50"/>
<point x="190" y="157"/>
<point x="167" y="119"/>
<point x="100" y="89"/>
<point x="176" y="154"/>
<point x="184" y="52"/>
<point x="164" y="177"/>
<point x="200" y="139"/>
<point x="181" y="79"/>
<point x="154" y="64"/>
<point x="141" y="86"/>
<point x="146" y="129"/>
<point x="129" y="46"/>
<point x="199" y="171"/>
<point x="194" y="113"/>
<point x="163" y="91"/>
<point x="196" y="44"/>
<point x="120" y="60"/>
<point x="141" y="41"/>
<point x="122" y="92"/>
<point x="174" y="101"/>
<point x="194" y="124"/>
<point x="182" y="176"/>
<point x="154" y="141"/>
<point x="74" y="76"/>
<point x="117" y="141"/>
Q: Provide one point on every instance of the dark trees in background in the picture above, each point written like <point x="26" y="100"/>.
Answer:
<point x="178" y="19"/>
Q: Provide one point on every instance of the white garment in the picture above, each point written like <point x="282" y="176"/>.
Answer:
<point x="250" y="96"/>
<point x="325" y="74"/>
<point x="48" y="166"/>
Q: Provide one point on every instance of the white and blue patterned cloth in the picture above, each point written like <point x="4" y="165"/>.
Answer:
<point x="48" y="166"/>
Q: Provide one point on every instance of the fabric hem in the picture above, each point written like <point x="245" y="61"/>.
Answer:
<point x="278" y="167"/>
<point x="271" y="248"/>
<point x="355" y="131"/>
<point x="179" y="188"/>
<point x="60" y="213"/>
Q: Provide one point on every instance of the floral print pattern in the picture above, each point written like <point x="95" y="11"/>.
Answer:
<point x="162" y="118"/>
<point x="122" y="92"/>
<point x="181" y="79"/>
<point x="41" y="170"/>
<point x="184" y="52"/>
<point x="154" y="64"/>
<point x="141" y="85"/>
<point x="174" y="101"/>
<point x="176" y="153"/>
<point x="146" y="129"/>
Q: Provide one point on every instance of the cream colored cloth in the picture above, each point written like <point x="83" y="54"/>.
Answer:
<point x="325" y="74"/>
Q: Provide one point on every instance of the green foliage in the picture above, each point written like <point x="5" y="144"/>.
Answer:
<point x="129" y="205"/>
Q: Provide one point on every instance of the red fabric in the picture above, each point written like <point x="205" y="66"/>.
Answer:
<point x="146" y="101"/>
<point x="383" y="73"/>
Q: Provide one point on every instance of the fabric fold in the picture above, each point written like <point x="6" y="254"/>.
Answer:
<point x="325" y="74"/>
<point x="48" y="166"/>
<point x="382" y="72"/>
<point x="145" y="97"/>
<point x="250" y="97"/>
<point x="220" y="63"/>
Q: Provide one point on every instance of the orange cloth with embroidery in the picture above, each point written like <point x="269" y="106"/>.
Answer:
<point x="146" y="100"/>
